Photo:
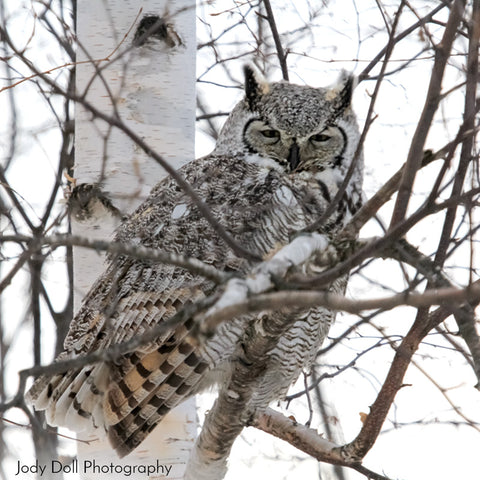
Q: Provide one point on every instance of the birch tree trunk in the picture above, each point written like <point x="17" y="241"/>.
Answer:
<point x="150" y="80"/>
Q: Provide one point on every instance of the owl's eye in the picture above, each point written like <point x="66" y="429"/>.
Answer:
<point x="259" y="134"/>
<point x="270" y="133"/>
<point x="320" y="138"/>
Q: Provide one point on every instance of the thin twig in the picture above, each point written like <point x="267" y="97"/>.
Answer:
<point x="427" y="18"/>
<point x="432" y="101"/>
<point x="373" y="247"/>
<point x="372" y="425"/>
<point x="120" y="248"/>
<point x="276" y="37"/>
<point x="333" y="206"/>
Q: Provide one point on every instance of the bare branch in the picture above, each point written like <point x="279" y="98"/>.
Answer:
<point x="383" y="195"/>
<point x="373" y="248"/>
<point x="276" y="37"/>
<point x="469" y="124"/>
<point x="415" y="154"/>
<point x="304" y="438"/>
<point x="307" y="440"/>
<point x="332" y="207"/>
<point x="311" y="298"/>
<point x="427" y="18"/>
<point x="358" y="448"/>
<point x="118" y="248"/>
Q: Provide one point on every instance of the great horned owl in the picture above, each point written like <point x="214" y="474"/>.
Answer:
<point x="279" y="161"/>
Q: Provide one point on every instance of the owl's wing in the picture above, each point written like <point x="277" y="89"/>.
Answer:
<point x="131" y="395"/>
<point x="148" y="383"/>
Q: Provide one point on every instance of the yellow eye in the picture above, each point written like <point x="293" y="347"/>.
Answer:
<point x="320" y="138"/>
<point x="270" y="133"/>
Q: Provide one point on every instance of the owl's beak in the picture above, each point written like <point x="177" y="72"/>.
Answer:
<point x="294" y="156"/>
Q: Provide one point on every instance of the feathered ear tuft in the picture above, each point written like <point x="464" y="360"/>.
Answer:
<point x="341" y="94"/>
<point x="255" y="86"/>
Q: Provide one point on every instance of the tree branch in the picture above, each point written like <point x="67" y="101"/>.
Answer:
<point x="311" y="298"/>
<point x="427" y="18"/>
<point x="304" y="438"/>
<point x="276" y="37"/>
<point x="359" y="447"/>
<point x="372" y="248"/>
<point x="119" y="248"/>
<point x="307" y="440"/>
<point x="466" y="156"/>
<point x="432" y="101"/>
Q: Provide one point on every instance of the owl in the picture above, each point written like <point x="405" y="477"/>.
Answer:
<point x="279" y="160"/>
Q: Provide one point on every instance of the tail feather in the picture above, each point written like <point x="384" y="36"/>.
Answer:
<point x="132" y="429"/>
<point x="172" y="390"/>
<point x="139" y="373"/>
<point x="64" y="398"/>
<point x="129" y="396"/>
<point x="89" y="395"/>
<point x="70" y="399"/>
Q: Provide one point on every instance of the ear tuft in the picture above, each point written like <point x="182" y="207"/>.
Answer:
<point x="341" y="93"/>
<point x="348" y="83"/>
<point x="255" y="86"/>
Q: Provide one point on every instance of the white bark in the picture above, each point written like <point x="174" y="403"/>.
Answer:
<point x="153" y="87"/>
